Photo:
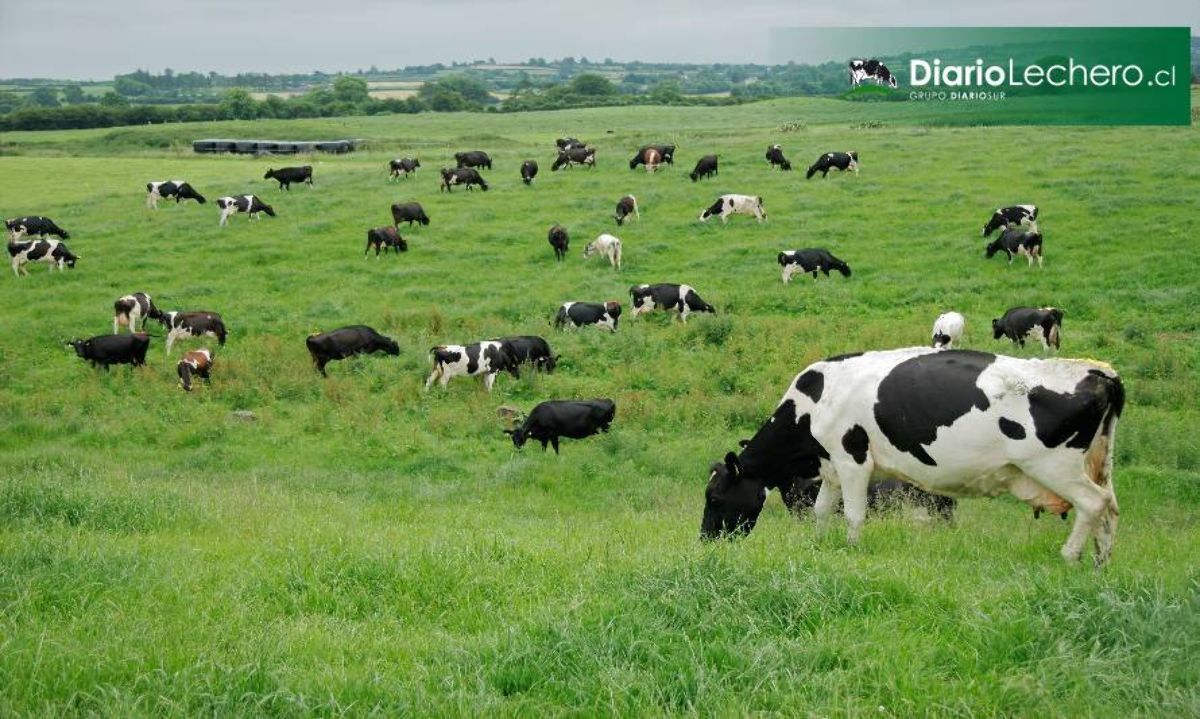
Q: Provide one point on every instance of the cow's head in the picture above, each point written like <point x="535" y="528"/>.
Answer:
<point x="80" y="347"/>
<point x="518" y="436"/>
<point x="389" y="346"/>
<point x="185" y="375"/>
<point x="732" y="501"/>
<point x="416" y="162"/>
<point x="68" y="257"/>
<point x="270" y="172"/>
<point x="401" y="244"/>
<point x="992" y="248"/>
<point x="269" y="210"/>
<point x="548" y="364"/>
<point x="997" y="329"/>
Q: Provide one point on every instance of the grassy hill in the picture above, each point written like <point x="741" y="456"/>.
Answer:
<point x="363" y="546"/>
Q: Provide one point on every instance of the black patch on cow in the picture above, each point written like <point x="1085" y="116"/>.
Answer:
<point x="855" y="443"/>
<point x="472" y="358"/>
<point x="926" y="392"/>
<point x="1011" y="429"/>
<point x="1071" y="418"/>
<point x="784" y="449"/>
<point x="811" y="383"/>
<point x="38" y="251"/>
<point x="842" y="358"/>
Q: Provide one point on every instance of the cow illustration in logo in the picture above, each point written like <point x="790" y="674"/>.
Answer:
<point x="862" y="69"/>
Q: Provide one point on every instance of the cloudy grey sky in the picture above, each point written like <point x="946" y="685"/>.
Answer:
<point x="95" y="39"/>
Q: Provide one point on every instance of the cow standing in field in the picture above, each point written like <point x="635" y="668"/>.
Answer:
<point x="473" y="158"/>
<point x="197" y="363"/>
<point x="727" y="205"/>
<point x="285" y="176"/>
<point x="384" y="238"/>
<point x="1018" y="323"/>
<point x="462" y="176"/>
<point x="478" y="359"/>
<point x="776" y="159"/>
<point x="950" y="422"/>
<point x="33" y="226"/>
<point x="52" y="252"/>
<point x="105" y="350"/>
<point x="575" y="156"/>
<point x="409" y="212"/>
<point x="344" y="342"/>
<point x="529" y="170"/>
<point x="813" y="260"/>
<point x="578" y="314"/>
<point x="250" y="204"/>
<point x="531" y="350"/>
<point x="403" y="166"/>
<point x="665" y="153"/>
<point x="948" y="330"/>
<point x="705" y="167"/>
<point x="566" y="143"/>
<point x="842" y="161"/>
<point x="131" y="309"/>
<point x="553" y="419"/>
<point x="1016" y="242"/>
<point x="168" y="189"/>
<point x="606" y="246"/>
<point x="627" y="206"/>
<point x="181" y="325"/>
<point x="677" y="298"/>
<point x="1007" y="218"/>
<point x="861" y="70"/>
<point x="652" y="159"/>
<point x="559" y="240"/>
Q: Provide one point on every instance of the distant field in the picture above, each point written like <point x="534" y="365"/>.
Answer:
<point x="362" y="546"/>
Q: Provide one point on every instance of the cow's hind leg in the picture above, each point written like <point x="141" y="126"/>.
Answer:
<point x="435" y="374"/>
<point x="828" y="499"/>
<point x="854" y="480"/>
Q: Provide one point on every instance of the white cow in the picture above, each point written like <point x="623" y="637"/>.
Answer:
<point x="606" y="246"/>
<point x="948" y="330"/>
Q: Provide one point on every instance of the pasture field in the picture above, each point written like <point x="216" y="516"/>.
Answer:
<point x="363" y="547"/>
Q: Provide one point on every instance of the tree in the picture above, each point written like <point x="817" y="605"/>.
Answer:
<point x="73" y="94"/>
<point x="455" y="92"/>
<point x="130" y="87"/>
<point x="9" y="101"/>
<point x="665" y="92"/>
<point x="43" y="97"/>
<point x="592" y="84"/>
<point x="237" y="104"/>
<point x="112" y="99"/>
<point x="350" y="89"/>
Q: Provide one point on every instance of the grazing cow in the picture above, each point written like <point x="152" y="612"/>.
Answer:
<point x="130" y="309"/>
<point x="559" y="240"/>
<point x="34" y="225"/>
<point x="776" y="158"/>
<point x="575" y="156"/>
<point x="811" y="260"/>
<point x="948" y="330"/>
<point x="666" y="153"/>
<point x="52" y="252"/>
<point x="404" y="165"/>
<point x="843" y="161"/>
<point x="105" y="350"/>
<point x="196" y="363"/>
<point x="285" y="176"/>
<point x="474" y="158"/>
<point x="531" y="350"/>
<point x="679" y="298"/>
<point x="167" y="189"/>
<point x="250" y="204"/>
<point x="409" y="212"/>
<point x="958" y="423"/>
<point x="862" y="69"/>
<point x="462" y="176"/>
<point x="1007" y="217"/>
<point x="1018" y="242"/>
<point x="325" y="347"/>
<point x="485" y="359"/>
<point x="557" y="418"/>
<point x="727" y="205"/>
<point x="606" y="246"/>
<point x="382" y="238"/>
<point x="566" y="143"/>
<point x="529" y="170"/>
<point x="653" y="159"/>
<point x="191" y="324"/>
<point x="705" y="167"/>
<point x="1019" y="323"/>
<point x="578" y="314"/>
<point x="627" y="206"/>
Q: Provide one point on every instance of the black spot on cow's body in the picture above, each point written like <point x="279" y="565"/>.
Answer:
<point x="38" y="251"/>
<point x="927" y="392"/>
<point x="472" y="358"/>
<point x="1074" y="417"/>
<point x="811" y="383"/>
<point x="784" y="449"/>
<point x="855" y="443"/>
<point x="1011" y="429"/>
<point x="843" y="358"/>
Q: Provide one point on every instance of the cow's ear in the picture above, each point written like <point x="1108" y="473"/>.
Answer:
<point x="733" y="464"/>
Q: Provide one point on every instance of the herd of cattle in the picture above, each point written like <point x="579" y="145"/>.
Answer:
<point x="926" y="424"/>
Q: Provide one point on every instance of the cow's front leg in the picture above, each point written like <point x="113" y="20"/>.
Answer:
<point x="489" y="379"/>
<point x="828" y="499"/>
<point x="854" y="498"/>
<point x="554" y="441"/>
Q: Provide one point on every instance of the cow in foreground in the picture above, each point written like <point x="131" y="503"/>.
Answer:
<point x="861" y="70"/>
<point x="325" y="347"/>
<point x="105" y="350"/>
<point x="627" y="206"/>
<point x="842" y="161"/>
<point x="575" y="156"/>
<point x="402" y="166"/>
<point x="1019" y="323"/>
<point x="727" y="205"/>
<point x="1015" y="242"/>
<point x="384" y="238"/>
<point x="560" y="240"/>
<point x="672" y="298"/>
<point x="958" y="423"/>
<point x="34" y="226"/>
<point x="531" y="350"/>
<point x="579" y="314"/>
<point x="409" y="212"/>
<point x="168" y="189"/>
<point x="182" y="325"/>
<point x="705" y="167"/>
<point x="462" y="176"/>
<point x="473" y="158"/>
<point x="606" y="246"/>
<point x="197" y="363"/>
<point x="948" y="330"/>
<point x="574" y="419"/>
<point x="816" y="259"/>
<point x="250" y="204"/>
<point x="529" y="170"/>
<point x="285" y="176"/>
<point x="131" y="309"/>
<point x="53" y="252"/>
<point x="1009" y="217"/>
<point x="776" y="159"/>
<point x="478" y="359"/>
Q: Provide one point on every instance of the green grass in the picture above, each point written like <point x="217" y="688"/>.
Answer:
<point x="362" y="546"/>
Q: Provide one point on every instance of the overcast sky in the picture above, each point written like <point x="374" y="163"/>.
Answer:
<point x="95" y="39"/>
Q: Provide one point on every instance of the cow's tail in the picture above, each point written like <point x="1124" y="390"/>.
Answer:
<point x="560" y="319"/>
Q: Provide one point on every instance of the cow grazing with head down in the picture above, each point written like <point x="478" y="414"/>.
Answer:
<point x="671" y="298"/>
<point x="467" y="176"/>
<point x="167" y="189"/>
<point x="554" y="419"/>
<point x="478" y="359"/>
<point x="285" y="176"/>
<point x="813" y="260"/>
<point x="52" y="252"/>
<point x="409" y="212"/>
<point x="606" y="246"/>
<point x="250" y="204"/>
<point x="842" y="161"/>
<point x="131" y="309"/>
<point x="663" y="153"/>
<point x="105" y="350"/>
<point x="383" y="239"/>
<point x="1008" y="217"/>
<point x="473" y="158"/>
<point x="403" y="166"/>
<point x="575" y="156"/>
<point x="776" y="159"/>
<point x="705" y="167"/>
<point x="559" y="240"/>
<point x="182" y="325"/>
<point x="566" y="143"/>
<point x="861" y="70"/>
<point x="531" y="350"/>
<point x="197" y="363"/>
<point x="1016" y="242"/>
<point x="1019" y="323"/>
<point x="33" y="226"/>
<point x="325" y="347"/>
<point x="727" y="205"/>
<point x="627" y="206"/>
<point x="949" y="421"/>
<point x="578" y="314"/>
<point x="529" y="170"/>
<point x="948" y="330"/>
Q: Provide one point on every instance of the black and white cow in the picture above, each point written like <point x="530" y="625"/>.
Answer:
<point x="34" y="226"/>
<point x="52" y="252"/>
<point x="1014" y="242"/>
<point x="559" y="240"/>
<point x="167" y="189"/>
<point x="325" y="347"/>
<point x="776" y="159"/>
<point x="409" y="212"/>
<point x="529" y="170"/>
<point x="575" y="156"/>
<point x="665" y="153"/>
<point x="402" y="166"/>
<point x="606" y="246"/>
<point x="1019" y="323"/>
<point x="181" y="325"/>
<point x="566" y="143"/>
<point x="383" y="238"/>
<point x="478" y="359"/>
<point x="705" y="167"/>
<point x="462" y="176"/>
<point x="672" y="298"/>
<point x="1008" y="217"/>
<point x="814" y="259"/>
<point x="473" y="158"/>
<point x="531" y="350"/>
<point x="105" y="350"/>
<point x="958" y="423"/>
<point x="131" y="309"/>
<point x="197" y="363"/>
<point x="578" y="314"/>
<point x="250" y="204"/>
<point x="627" y="206"/>
<point x="843" y="161"/>
<point x="285" y="176"/>
<point x="727" y="205"/>
<point x="948" y="330"/>
<point x="861" y="70"/>
<point x="574" y="419"/>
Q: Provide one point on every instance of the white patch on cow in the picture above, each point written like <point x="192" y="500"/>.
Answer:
<point x="683" y="306"/>
<point x="607" y="246"/>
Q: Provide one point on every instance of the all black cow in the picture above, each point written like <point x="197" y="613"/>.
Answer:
<point x="409" y="212"/>
<point x="776" y="159"/>
<point x="473" y="158"/>
<point x="105" y="350"/>
<point x="705" y="167"/>
<point x="285" y="176"/>
<point x="529" y="170"/>
<point x="531" y="350"/>
<point x="467" y="176"/>
<point x="560" y="240"/>
<point x="574" y="419"/>
<point x="1018" y="323"/>
<point x="347" y="342"/>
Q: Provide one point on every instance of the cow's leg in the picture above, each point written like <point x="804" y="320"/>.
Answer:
<point x="554" y="442"/>
<point x="489" y="379"/>
<point x="828" y="499"/>
<point x="854" y="479"/>
<point x="435" y="374"/>
<point x="16" y="266"/>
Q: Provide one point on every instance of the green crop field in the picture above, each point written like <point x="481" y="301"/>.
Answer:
<point x="358" y="546"/>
